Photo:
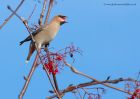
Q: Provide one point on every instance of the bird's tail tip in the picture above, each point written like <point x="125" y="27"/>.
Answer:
<point x="27" y="61"/>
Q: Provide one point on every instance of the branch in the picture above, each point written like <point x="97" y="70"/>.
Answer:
<point x="28" y="78"/>
<point x="32" y="12"/>
<point x="21" y="19"/>
<point x="42" y="13"/>
<point x="71" y="88"/>
<point x="7" y="19"/>
<point x="85" y="75"/>
<point x="48" y="12"/>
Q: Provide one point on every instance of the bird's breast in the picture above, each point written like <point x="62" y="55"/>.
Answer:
<point x="45" y="36"/>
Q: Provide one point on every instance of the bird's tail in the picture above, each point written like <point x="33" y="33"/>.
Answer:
<point x="31" y="51"/>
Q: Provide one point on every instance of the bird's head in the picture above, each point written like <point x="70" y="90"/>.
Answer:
<point x="61" y="19"/>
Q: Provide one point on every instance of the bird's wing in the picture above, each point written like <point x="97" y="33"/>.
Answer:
<point x="29" y="37"/>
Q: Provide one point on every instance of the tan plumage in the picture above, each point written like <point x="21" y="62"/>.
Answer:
<point x="45" y="34"/>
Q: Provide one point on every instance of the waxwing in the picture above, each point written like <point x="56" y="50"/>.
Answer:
<point x="45" y="34"/>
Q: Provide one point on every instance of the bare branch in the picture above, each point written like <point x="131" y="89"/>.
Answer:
<point x="28" y="78"/>
<point x="42" y="13"/>
<point x="71" y="88"/>
<point x="9" y="8"/>
<point x="48" y="12"/>
<point x="32" y="12"/>
<point x="85" y="75"/>
<point x="7" y="19"/>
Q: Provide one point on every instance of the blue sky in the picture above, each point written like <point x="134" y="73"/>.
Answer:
<point x="107" y="35"/>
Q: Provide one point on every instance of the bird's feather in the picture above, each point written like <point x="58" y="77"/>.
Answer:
<point x="29" y="37"/>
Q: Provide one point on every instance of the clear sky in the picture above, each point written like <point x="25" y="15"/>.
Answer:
<point x="107" y="35"/>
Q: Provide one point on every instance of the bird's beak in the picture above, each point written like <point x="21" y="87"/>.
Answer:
<point x="65" y="17"/>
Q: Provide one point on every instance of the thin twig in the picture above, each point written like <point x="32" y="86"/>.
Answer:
<point x="79" y="93"/>
<point x="75" y="95"/>
<point x="7" y="19"/>
<point x="42" y="13"/>
<point x="84" y="95"/>
<point x="32" y="12"/>
<point x="48" y="12"/>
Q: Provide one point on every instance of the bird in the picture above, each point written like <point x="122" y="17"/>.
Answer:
<point x="44" y="35"/>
